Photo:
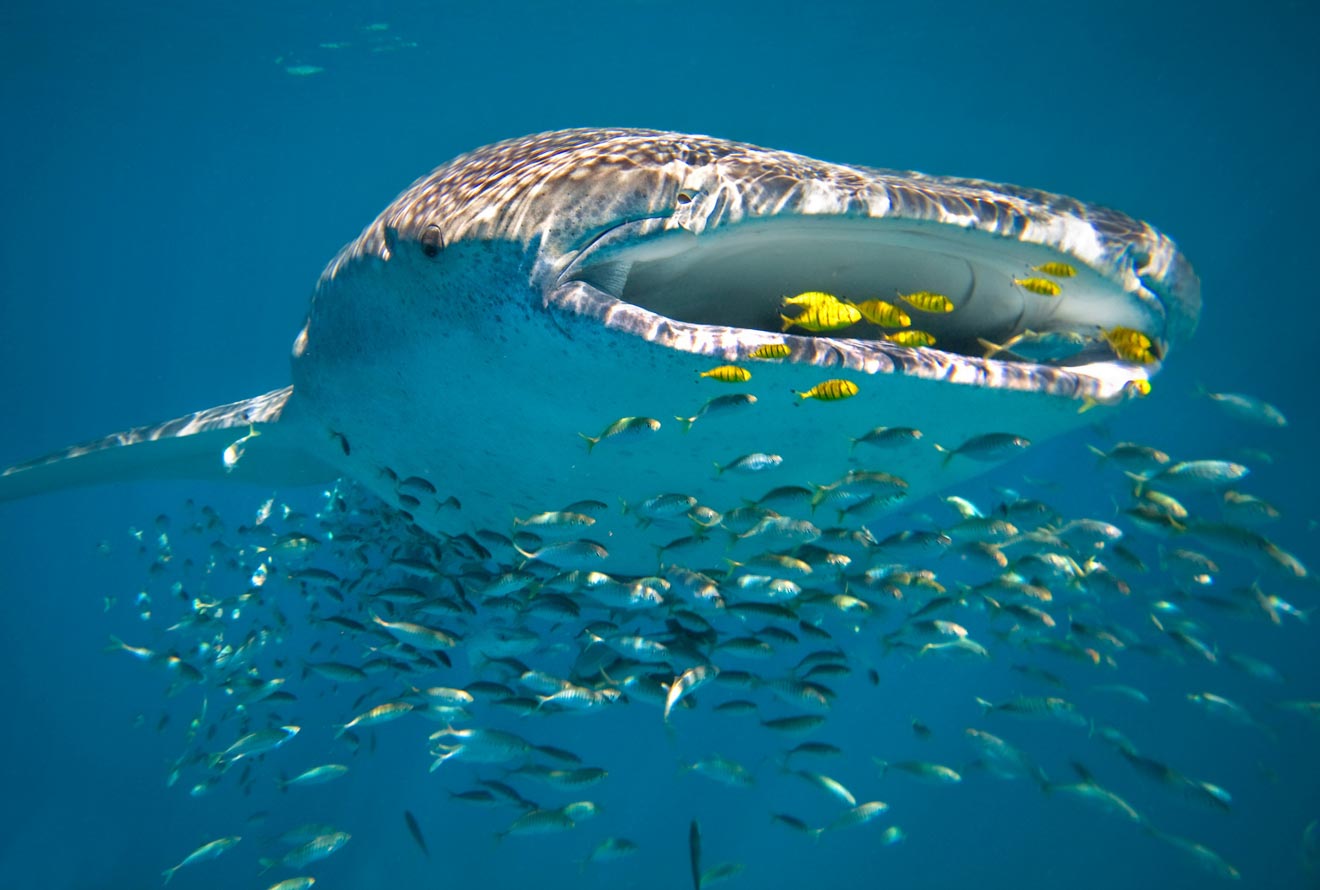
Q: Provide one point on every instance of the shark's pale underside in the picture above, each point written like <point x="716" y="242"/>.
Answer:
<point x="545" y="287"/>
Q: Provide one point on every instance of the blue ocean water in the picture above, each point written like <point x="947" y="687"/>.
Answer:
<point x="174" y="187"/>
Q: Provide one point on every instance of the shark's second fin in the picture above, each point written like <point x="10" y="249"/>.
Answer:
<point x="242" y="441"/>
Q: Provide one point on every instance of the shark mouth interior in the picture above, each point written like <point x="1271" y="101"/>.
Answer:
<point x="738" y="276"/>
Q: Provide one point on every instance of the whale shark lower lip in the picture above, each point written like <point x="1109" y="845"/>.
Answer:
<point x="532" y="293"/>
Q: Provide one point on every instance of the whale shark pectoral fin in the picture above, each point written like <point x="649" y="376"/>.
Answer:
<point x="242" y="441"/>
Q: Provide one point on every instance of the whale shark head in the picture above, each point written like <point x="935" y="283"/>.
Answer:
<point x="691" y="242"/>
<point x="492" y="328"/>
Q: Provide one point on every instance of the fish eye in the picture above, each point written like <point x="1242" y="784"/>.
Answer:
<point x="432" y="241"/>
<point x="684" y="197"/>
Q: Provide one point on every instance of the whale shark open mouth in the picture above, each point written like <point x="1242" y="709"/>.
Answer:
<point x="722" y="294"/>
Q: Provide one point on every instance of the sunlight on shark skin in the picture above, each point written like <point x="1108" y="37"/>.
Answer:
<point x="542" y="288"/>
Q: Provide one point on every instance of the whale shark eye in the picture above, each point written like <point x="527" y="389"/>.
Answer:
<point x="684" y="197"/>
<point x="432" y="241"/>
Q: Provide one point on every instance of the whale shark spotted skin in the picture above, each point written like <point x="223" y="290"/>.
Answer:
<point x="533" y="292"/>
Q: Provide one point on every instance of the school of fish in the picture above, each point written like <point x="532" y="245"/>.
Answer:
<point x="469" y="645"/>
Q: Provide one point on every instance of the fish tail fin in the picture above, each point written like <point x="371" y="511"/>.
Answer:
<point x="592" y="441"/>
<point x="947" y="452"/>
<point x="882" y="764"/>
<point x="266" y="864"/>
<point x="788" y="323"/>
<point x="719" y="470"/>
<point x="169" y="873"/>
<point x="203" y="445"/>
<point x="991" y="349"/>
<point x="1140" y="480"/>
<point x="687" y="422"/>
<point x="1099" y="453"/>
<point x="986" y="707"/>
<point x="818" y="493"/>
<point x="1041" y="779"/>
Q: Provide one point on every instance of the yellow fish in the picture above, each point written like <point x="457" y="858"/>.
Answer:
<point x="911" y="338"/>
<point x="1131" y="345"/>
<point x="886" y="315"/>
<point x="925" y="301"/>
<point x="728" y="374"/>
<point x="831" y="391"/>
<point x="770" y="351"/>
<point x="820" y="317"/>
<point x="811" y="298"/>
<point x="1058" y="270"/>
<point x="1042" y="286"/>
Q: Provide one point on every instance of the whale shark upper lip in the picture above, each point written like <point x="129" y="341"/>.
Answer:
<point x="718" y="294"/>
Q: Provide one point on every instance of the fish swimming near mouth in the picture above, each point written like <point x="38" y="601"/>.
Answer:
<point x="539" y="289"/>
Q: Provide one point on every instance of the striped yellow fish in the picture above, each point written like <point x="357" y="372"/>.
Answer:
<point x="925" y="301"/>
<point x="728" y="374"/>
<point x="831" y="391"/>
<point x="1042" y="286"/>
<point x="770" y="351"/>
<point x="886" y="315"/>
<point x="811" y="298"/>
<point x="821" y="317"/>
<point x="1131" y="345"/>
<point x="1057" y="270"/>
<point x="911" y="338"/>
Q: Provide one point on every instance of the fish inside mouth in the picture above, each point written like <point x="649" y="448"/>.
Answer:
<point x="739" y="276"/>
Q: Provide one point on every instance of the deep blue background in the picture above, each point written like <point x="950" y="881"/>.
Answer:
<point x="170" y="194"/>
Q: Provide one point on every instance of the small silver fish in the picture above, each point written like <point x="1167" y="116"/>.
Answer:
<point x="209" y="850"/>
<point x="886" y="437"/>
<point x="317" y="775"/>
<point x="987" y="447"/>
<point x="718" y="405"/>
<point x="1246" y="408"/>
<point x="1195" y="475"/>
<point x="689" y="681"/>
<point x="749" y="463"/>
<point x="1044" y="346"/>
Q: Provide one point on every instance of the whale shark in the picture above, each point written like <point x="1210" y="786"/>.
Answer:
<point x="525" y="329"/>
